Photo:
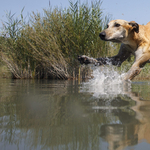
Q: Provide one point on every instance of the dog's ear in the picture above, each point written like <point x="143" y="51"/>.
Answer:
<point x="135" y="26"/>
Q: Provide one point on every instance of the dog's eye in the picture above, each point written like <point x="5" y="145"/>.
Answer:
<point x="107" y="26"/>
<point x="117" y="25"/>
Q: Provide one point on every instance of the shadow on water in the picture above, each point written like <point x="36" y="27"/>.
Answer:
<point x="61" y="115"/>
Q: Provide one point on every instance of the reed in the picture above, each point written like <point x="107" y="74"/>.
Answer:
<point x="47" y="46"/>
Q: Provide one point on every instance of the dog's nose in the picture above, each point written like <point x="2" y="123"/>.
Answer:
<point x="102" y="35"/>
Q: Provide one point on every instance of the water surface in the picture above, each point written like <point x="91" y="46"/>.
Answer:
<point x="68" y="115"/>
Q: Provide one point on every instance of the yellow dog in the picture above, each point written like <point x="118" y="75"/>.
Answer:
<point x="135" y="40"/>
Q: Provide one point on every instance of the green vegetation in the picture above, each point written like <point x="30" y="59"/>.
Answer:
<point x="49" y="44"/>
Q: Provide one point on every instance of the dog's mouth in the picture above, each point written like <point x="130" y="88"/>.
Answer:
<point x="104" y="37"/>
<point x="113" y="40"/>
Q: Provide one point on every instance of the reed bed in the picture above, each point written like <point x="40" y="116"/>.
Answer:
<point x="48" y="45"/>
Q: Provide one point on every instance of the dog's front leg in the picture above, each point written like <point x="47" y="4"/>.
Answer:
<point x="88" y="60"/>
<point x="134" y="71"/>
<point x="141" y="59"/>
<point x="117" y="60"/>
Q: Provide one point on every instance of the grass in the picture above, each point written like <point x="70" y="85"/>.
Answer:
<point x="47" y="46"/>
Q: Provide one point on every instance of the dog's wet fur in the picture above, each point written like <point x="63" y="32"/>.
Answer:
<point x="134" y="39"/>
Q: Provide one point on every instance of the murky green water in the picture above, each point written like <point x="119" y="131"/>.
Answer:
<point x="58" y="115"/>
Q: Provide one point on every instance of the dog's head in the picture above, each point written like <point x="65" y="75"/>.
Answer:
<point x="119" y="30"/>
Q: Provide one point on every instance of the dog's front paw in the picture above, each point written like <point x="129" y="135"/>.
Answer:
<point x="83" y="59"/>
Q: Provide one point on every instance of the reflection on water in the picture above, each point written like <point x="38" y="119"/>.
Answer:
<point x="42" y="115"/>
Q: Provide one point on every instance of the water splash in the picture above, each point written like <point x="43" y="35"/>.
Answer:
<point x="106" y="82"/>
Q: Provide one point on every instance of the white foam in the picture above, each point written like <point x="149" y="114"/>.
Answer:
<point x="107" y="82"/>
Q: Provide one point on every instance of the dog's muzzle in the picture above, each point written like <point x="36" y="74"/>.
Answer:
<point x="102" y="35"/>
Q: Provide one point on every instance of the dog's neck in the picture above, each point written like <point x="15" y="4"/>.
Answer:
<point x="134" y="40"/>
<point x="140" y="38"/>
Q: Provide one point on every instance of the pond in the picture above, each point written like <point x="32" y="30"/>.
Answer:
<point x="65" y="115"/>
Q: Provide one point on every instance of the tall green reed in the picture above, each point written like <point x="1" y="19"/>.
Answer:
<point x="48" y="45"/>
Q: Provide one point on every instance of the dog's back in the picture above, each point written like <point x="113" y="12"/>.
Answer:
<point x="148" y="24"/>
